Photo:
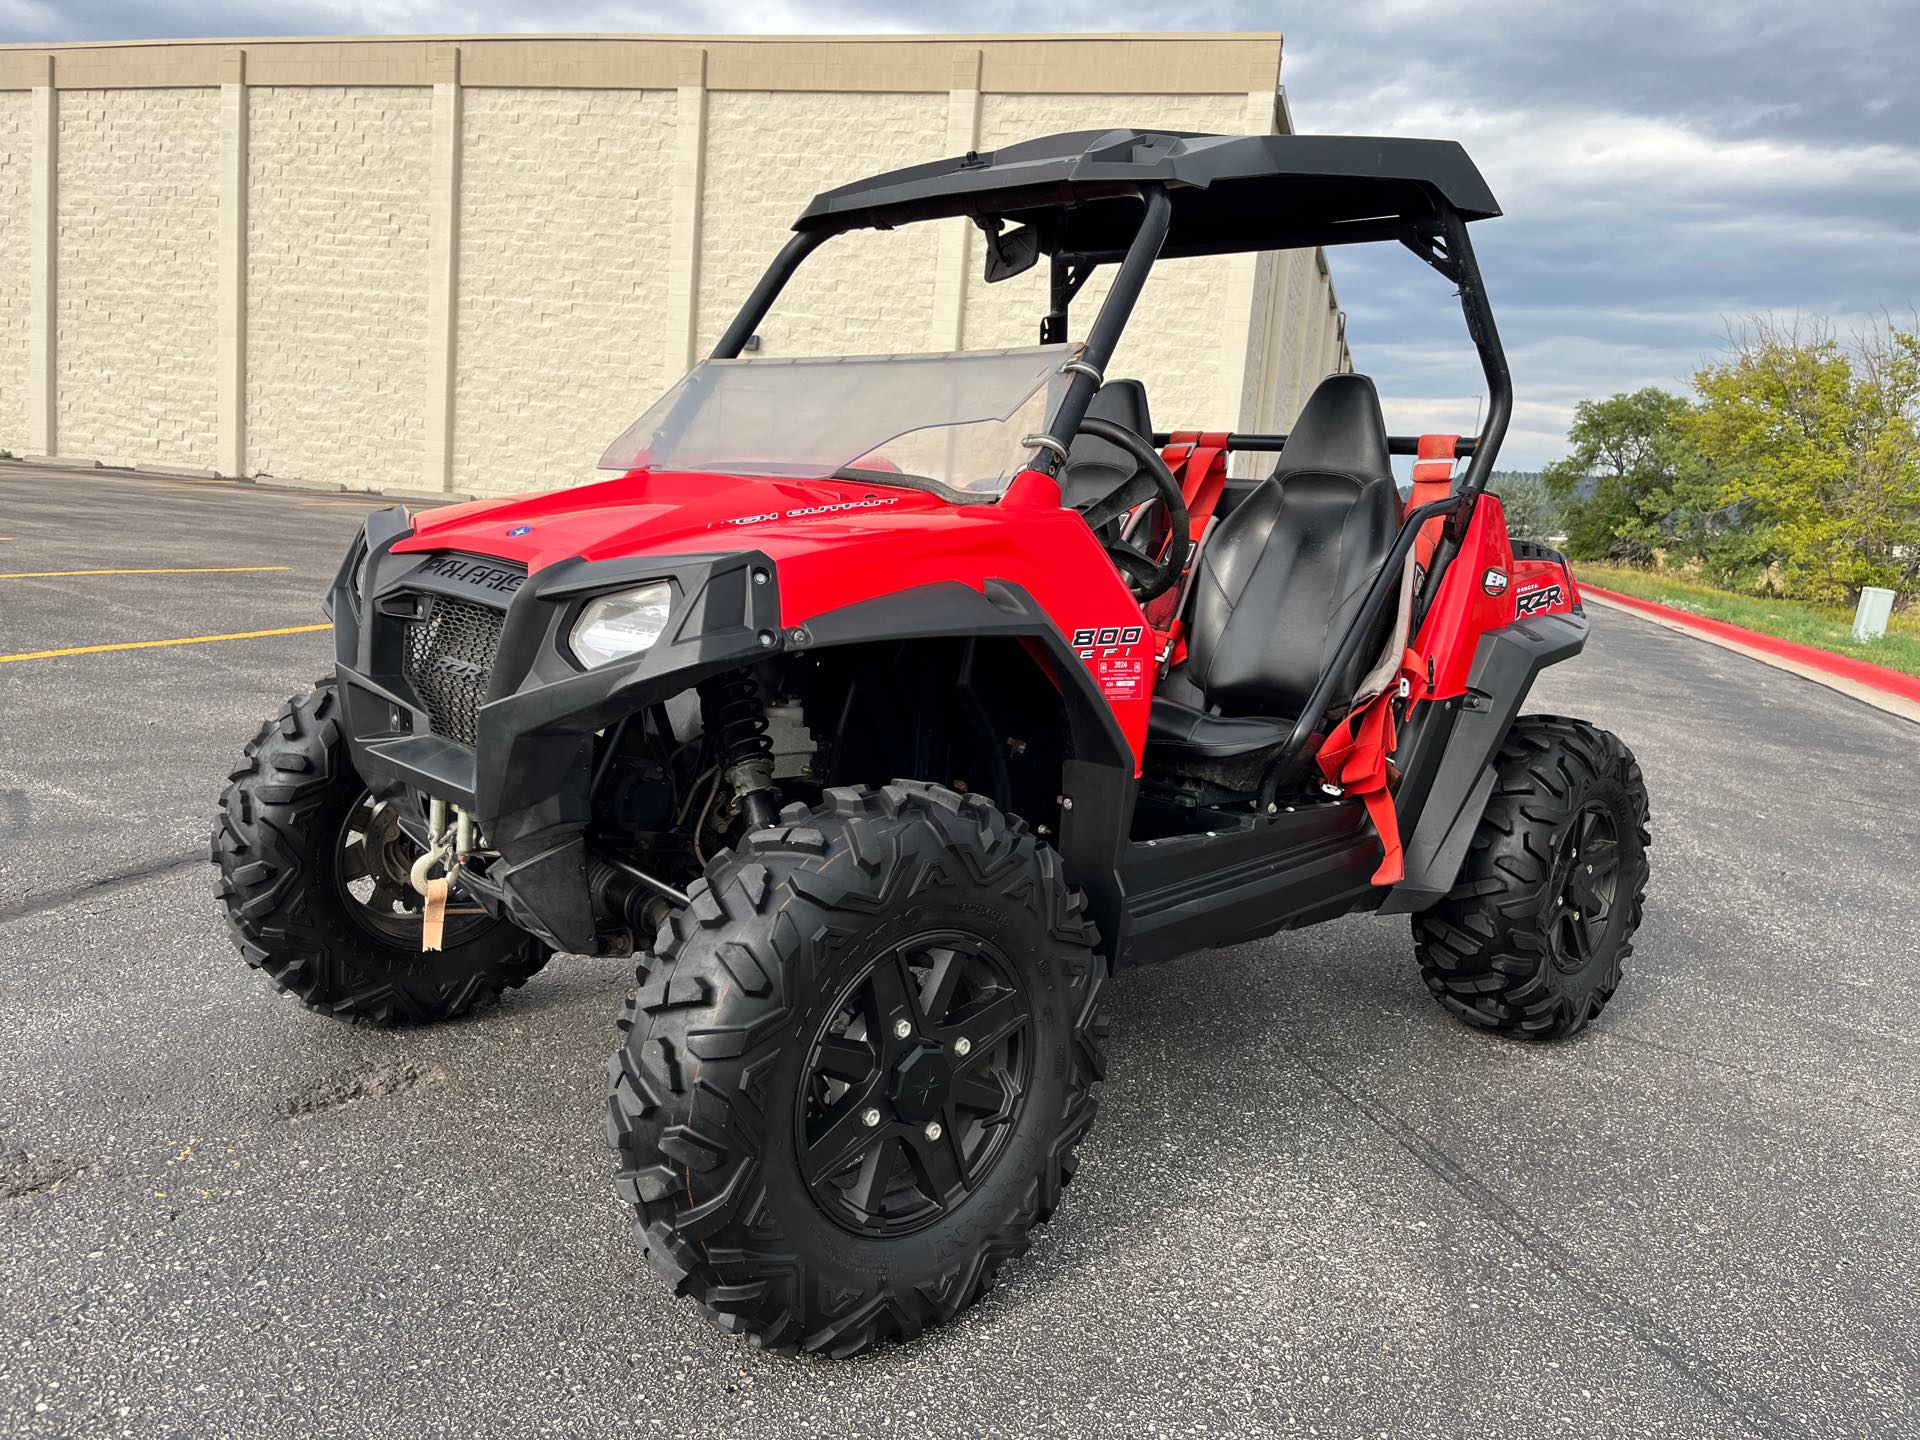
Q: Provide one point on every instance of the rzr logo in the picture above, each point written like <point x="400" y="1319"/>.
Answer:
<point x="456" y="668"/>
<point x="1534" y="601"/>
<point x="1092" y="640"/>
<point x="1494" y="582"/>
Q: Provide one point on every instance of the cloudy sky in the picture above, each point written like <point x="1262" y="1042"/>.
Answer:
<point x="1663" y="166"/>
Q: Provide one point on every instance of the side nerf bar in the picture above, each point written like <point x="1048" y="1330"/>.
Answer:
<point x="1504" y="666"/>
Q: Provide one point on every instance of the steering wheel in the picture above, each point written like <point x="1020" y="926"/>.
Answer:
<point x="1145" y="576"/>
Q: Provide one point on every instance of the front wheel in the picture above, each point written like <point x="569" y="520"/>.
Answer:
<point x="1531" y="939"/>
<point x="313" y="876"/>
<point x="855" y="1072"/>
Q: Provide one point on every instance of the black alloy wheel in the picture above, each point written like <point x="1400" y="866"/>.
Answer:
<point x="914" y="1084"/>
<point x="1589" y="876"/>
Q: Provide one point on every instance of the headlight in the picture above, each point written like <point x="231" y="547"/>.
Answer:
<point x="616" y="626"/>
<point x="360" y="571"/>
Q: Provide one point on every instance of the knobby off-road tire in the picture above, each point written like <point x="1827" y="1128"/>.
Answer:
<point x="277" y="845"/>
<point x="1531" y="939"/>
<point x="728" y="1068"/>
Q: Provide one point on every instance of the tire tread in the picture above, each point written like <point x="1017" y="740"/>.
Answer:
<point x="687" y="1103"/>
<point x="264" y="846"/>
<point x="1481" y="949"/>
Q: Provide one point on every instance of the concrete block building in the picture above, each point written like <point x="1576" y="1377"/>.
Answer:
<point x="463" y="264"/>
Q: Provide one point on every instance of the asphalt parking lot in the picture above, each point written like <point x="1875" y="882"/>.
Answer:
<point x="1312" y="1205"/>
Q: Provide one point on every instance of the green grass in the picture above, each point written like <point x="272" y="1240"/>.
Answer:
<point x="1825" y="627"/>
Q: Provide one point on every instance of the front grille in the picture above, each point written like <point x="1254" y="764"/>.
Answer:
<point x="449" y="660"/>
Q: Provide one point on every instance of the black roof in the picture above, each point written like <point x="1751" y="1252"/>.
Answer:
<point x="1230" y="192"/>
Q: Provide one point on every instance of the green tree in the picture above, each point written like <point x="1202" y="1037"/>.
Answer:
<point x="1635" y="484"/>
<point x="1531" y="510"/>
<point x="1817" y="445"/>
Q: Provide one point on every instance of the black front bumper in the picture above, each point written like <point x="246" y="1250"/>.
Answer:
<point x="527" y="777"/>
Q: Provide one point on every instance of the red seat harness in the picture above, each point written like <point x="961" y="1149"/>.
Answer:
<point x="1199" y="462"/>
<point x="1356" y="755"/>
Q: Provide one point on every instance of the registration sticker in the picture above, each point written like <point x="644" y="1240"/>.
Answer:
<point x="1114" y="654"/>
<point x="1122" y="677"/>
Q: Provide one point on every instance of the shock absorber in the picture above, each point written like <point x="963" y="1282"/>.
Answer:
<point x="736" y="718"/>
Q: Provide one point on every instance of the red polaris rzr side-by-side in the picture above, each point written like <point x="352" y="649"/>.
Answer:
<point x="884" y="705"/>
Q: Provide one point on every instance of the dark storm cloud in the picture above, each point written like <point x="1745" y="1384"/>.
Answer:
<point x="1663" y="167"/>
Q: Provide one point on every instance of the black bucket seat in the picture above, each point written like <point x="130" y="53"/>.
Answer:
<point x="1279" y="582"/>
<point x="1096" y="468"/>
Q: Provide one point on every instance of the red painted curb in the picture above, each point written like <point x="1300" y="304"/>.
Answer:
<point x="1861" y="672"/>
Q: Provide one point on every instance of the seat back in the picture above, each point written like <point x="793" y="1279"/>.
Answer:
<point x="1095" y="468"/>
<point x="1283" y="576"/>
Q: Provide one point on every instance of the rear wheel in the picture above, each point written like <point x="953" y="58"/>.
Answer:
<point x="1531" y="940"/>
<point x="313" y="874"/>
<point x="855" y="1071"/>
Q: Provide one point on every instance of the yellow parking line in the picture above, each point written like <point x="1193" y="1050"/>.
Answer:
<point x="156" y="644"/>
<point x="205" y="570"/>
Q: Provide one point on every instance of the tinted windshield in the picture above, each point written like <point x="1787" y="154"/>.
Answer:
<point x="949" y="422"/>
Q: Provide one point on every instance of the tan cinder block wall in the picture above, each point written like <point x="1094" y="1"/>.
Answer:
<point x="16" y="160"/>
<point x="138" y="198"/>
<point x="336" y="282"/>
<point x="464" y="264"/>
<point x="563" y="278"/>
<point x="767" y="156"/>
<point x="1168" y="340"/>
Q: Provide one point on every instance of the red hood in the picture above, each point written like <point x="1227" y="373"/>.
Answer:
<point x="643" y="513"/>
<point x="834" y="543"/>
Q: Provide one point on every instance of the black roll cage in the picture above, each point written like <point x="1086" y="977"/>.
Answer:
<point x="1441" y="241"/>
